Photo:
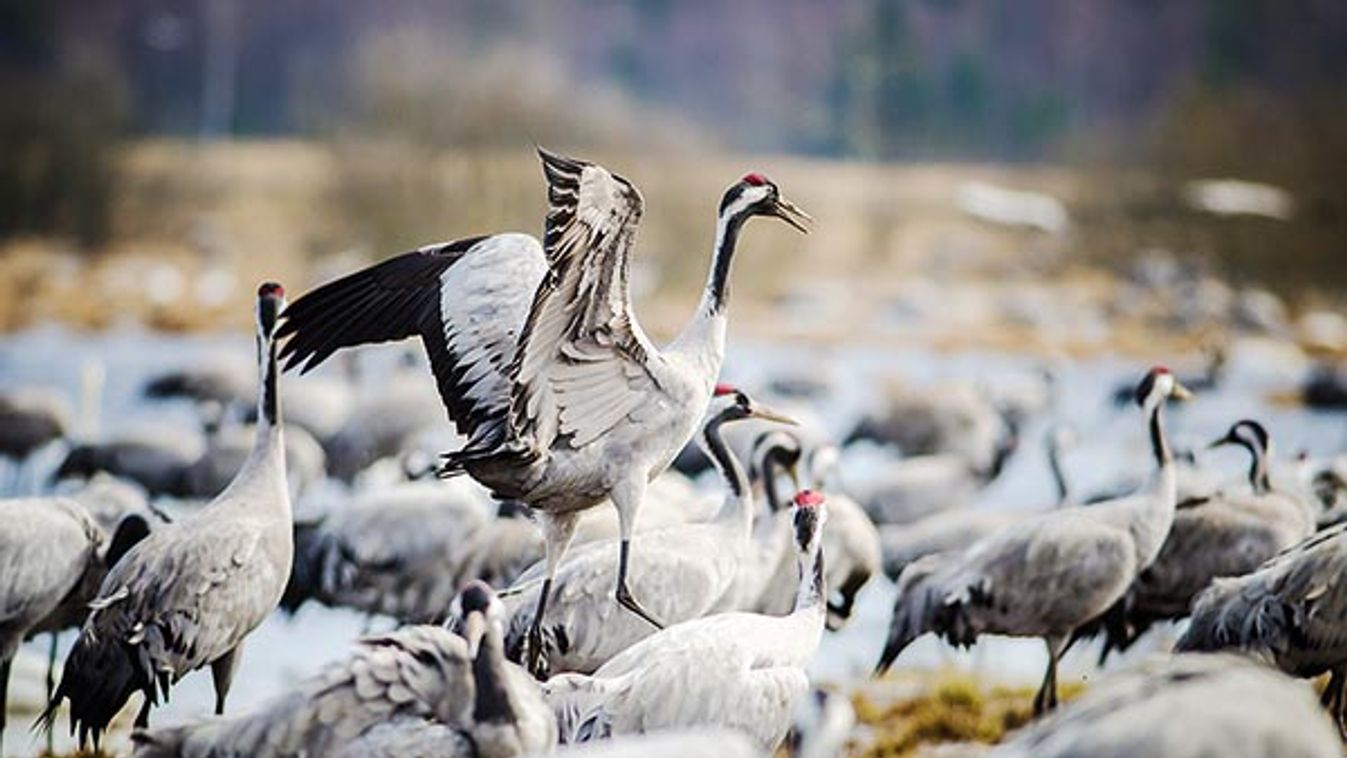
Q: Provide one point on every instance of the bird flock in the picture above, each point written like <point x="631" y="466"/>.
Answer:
<point x="530" y="617"/>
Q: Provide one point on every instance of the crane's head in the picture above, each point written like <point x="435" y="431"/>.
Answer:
<point x="810" y="515"/>
<point x="1246" y="433"/>
<point x="475" y="606"/>
<point x="729" y="403"/>
<point x="756" y="195"/>
<point x="1159" y="385"/>
<point x="270" y="303"/>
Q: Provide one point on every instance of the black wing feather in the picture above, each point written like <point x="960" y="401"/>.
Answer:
<point x="392" y="300"/>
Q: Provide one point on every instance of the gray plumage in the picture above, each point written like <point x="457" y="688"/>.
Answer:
<point x="539" y="359"/>
<point x="686" y="570"/>
<point x="54" y="554"/>
<point x="740" y="670"/>
<point x="189" y="594"/>
<point x="409" y="738"/>
<point x="417" y="672"/>
<point x="1229" y="534"/>
<point x="1187" y="706"/>
<point x="691" y="742"/>
<point x="394" y="551"/>
<point x="1291" y="613"/>
<point x="1046" y="575"/>
<point x="502" y="550"/>
<point x="49" y="551"/>
<point x="419" y="690"/>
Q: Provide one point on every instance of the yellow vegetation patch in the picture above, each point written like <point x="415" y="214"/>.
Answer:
<point x="948" y="708"/>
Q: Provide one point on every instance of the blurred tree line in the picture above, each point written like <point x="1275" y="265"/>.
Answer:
<point x="1009" y="80"/>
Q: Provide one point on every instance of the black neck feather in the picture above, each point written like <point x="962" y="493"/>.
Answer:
<point x="492" y="704"/>
<point x="268" y="405"/>
<point x="1159" y="446"/>
<point x="720" y="265"/>
<point x="724" y="460"/>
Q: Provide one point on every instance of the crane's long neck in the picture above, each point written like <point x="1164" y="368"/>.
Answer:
<point x="268" y="394"/>
<point x="493" y="701"/>
<point x="737" y="509"/>
<point x="717" y="294"/>
<point x="809" y="594"/>
<point x="1258" y="469"/>
<point x="1154" y="514"/>
<point x="1156" y="424"/>
<point x="703" y="338"/>
<point x="1058" y="472"/>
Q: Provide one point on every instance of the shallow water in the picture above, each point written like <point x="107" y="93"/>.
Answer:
<point x="1111" y="447"/>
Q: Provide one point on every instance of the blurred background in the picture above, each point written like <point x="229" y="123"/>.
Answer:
<point x="1019" y="206"/>
<point x="1013" y="154"/>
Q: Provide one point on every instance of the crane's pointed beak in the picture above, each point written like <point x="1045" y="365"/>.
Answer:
<point x="1180" y="392"/>
<point x="792" y="214"/>
<point x="1226" y="440"/>
<point x="767" y="414"/>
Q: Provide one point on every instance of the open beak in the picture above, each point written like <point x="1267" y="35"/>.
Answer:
<point x="792" y="214"/>
<point x="473" y="629"/>
<point x="1181" y="392"/>
<point x="767" y="414"/>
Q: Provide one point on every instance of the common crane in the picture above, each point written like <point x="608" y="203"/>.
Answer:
<point x="1046" y="575"/>
<point x="539" y="359"/>
<point x="685" y="570"/>
<point x="187" y="595"/>
<point x="417" y="691"/>
<point x="740" y="670"/>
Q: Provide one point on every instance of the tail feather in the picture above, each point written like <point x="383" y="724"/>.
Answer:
<point x="302" y="585"/>
<point x="1225" y="617"/>
<point x="577" y="700"/>
<point x="100" y="675"/>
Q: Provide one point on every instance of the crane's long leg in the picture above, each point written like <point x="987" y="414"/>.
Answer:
<point x="4" y="696"/>
<point x="558" y="530"/>
<point x="1046" y="697"/>
<point x="51" y="664"/>
<point x="51" y="686"/>
<point x="222" y="674"/>
<point x="143" y="716"/>
<point x="628" y="501"/>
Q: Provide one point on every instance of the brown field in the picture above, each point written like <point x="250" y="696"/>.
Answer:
<point x="302" y="212"/>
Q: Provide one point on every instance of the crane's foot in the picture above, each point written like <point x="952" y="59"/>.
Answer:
<point x="625" y="600"/>
<point x="535" y="658"/>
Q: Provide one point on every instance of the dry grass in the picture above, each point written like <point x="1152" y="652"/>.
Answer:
<point x="303" y="212"/>
<point x="947" y="708"/>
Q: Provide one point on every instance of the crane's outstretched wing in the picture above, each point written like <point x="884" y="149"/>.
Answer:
<point x="581" y="361"/>
<point x="467" y="301"/>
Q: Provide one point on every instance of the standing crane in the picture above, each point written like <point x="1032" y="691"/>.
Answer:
<point x="188" y="594"/>
<point x="53" y="554"/>
<point x="1046" y="575"/>
<point x="686" y="569"/>
<point x="740" y="670"/>
<point x="1229" y="534"/>
<point x="539" y="359"/>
